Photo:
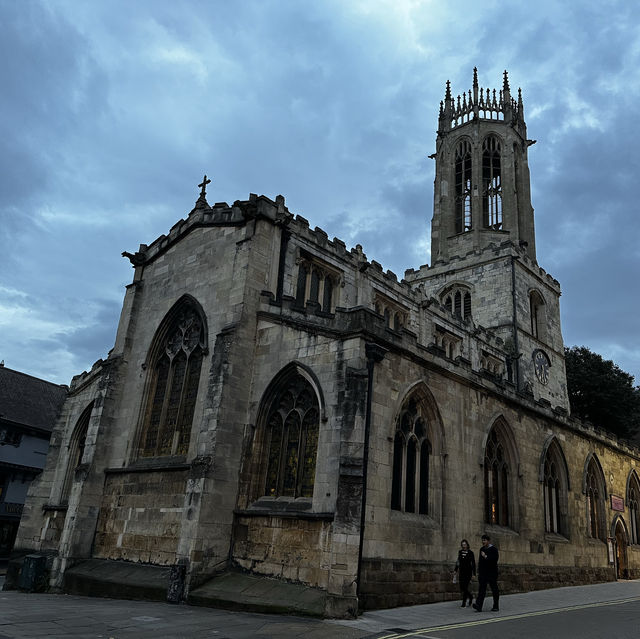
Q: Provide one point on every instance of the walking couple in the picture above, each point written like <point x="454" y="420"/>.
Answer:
<point x="487" y="573"/>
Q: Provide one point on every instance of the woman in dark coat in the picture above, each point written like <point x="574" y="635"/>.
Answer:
<point x="466" y="568"/>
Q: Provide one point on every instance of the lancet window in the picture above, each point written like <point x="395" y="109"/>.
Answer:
<point x="463" y="163"/>
<point x="491" y="184"/>
<point x="633" y="504"/>
<point x="316" y="283"/>
<point x="175" y="363"/>
<point x="411" y="460"/>
<point x="555" y="485"/>
<point x="395" y="316"/>
<point x="537" y="311"/>
<point x="457" y="300"/>
<point x="76" y="451"/>
<point x="291" y="445"/>
<point x="594" y="489"/>
<point x="497" y="480"/>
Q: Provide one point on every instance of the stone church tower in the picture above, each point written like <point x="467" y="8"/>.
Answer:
<point x="483" y="239"/>
<point x="279" y="405"/>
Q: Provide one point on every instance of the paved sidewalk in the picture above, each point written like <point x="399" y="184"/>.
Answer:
<point x="439" y="614"/>
<point x="58" y="616"/>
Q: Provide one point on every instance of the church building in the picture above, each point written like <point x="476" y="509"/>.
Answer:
<point x="280" y="405"/>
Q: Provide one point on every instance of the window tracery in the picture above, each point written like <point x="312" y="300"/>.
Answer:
<point x="496" y="480"/>
<point x="316" y="283"/>
<point x="175" y="375"/>
<point x="463" y="177"/>
<point x="292" y="425"/>
<point x="594" y="489"/>
<point x="555" y="490"/>
<point x="491" y="183"/>
<point x="411" y="461"/>
<point x="457" y="300"/>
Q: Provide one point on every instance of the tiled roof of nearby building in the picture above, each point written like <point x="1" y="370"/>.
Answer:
<point x="28" y="400"/>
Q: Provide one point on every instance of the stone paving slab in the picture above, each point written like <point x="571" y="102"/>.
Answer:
<point x="450" y="612"/>
<point x="25" y="615"/>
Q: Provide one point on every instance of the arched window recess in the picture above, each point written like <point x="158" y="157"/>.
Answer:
<point x="594" y="488"/>
<point x="463" y="187"/>
<point x="173" y="367"/>
<point x="554" y="477"/>
<point x="633" y="507"/>
<point x="395" y="315"/>
<point x="500" y="466"/>
<point x="416" y="464"/>
<point x="75" y="449"/>
<point x="317" y="283"/>
<point x="286" y="445"/>
<point x="538" y="315"/>
<point x="491" y="183"/>
<point x="456" y="298"/>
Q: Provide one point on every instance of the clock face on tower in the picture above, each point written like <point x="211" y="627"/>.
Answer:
<point x="541" y="366"/>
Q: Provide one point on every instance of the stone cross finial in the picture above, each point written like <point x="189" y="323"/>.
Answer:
<point x="203" y="186"/>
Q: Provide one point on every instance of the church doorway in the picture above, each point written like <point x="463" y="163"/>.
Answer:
<point x="621" y="551"/>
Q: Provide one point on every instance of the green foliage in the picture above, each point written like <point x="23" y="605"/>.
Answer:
<point x="602" y="393"/>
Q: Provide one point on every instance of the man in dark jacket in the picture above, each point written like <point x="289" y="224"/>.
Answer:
<point x="487" y="574"/>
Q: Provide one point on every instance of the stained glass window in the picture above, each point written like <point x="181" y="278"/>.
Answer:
<point x="496" y="481"/>
<point x="292" y="440"/>
<point x="173" y="387"/>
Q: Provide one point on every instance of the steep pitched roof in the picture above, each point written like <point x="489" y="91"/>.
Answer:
<point x="28" y="400"/>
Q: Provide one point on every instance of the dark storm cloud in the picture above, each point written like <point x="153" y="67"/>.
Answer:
<point x="111" y="112"/>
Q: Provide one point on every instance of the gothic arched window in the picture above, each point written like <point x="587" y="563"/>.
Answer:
<point x="538" y="315"/>
<point x="316" y="283"/>
<point x="491" y="184"/>
<point x="633" y="504"/>
<point x="175" y="361"/>
<point x="595" y="492"/>
<point x="497" y="478"/>
<point x="292" y="424"/>
<point x="457" y="300"/>
<point x="411" y="459"/>
<point x="463" y="187"/>
<point x="76" y="451"/>
<point x="555" y="485"/>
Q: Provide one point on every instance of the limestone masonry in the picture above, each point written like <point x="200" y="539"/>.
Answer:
<point x="279" y="404"/>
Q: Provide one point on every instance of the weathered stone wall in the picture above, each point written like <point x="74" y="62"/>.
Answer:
<point x="140" y="516"/>
<point x="46" y="489"/>
<point x="51" y="534"/>
<point x="290" y="548"/>
<point x="391" y="583"/>
<point x="457" y="508"/>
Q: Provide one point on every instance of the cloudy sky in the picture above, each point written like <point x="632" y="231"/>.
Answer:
<point x="111" y="112"/>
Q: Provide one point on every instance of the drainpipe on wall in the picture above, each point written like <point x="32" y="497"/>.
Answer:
<point x="374" y="354"/>
<point x="516" y="348"/>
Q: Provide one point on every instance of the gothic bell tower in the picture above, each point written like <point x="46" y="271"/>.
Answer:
<point x="481" y="192"/>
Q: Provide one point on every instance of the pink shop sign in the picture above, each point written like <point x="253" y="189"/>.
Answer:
<point x="617" y="503"/>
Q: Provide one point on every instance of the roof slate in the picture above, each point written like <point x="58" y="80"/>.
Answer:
<point x="28" y="400"/>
